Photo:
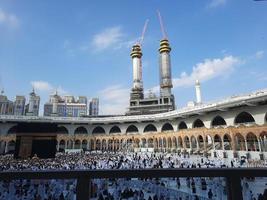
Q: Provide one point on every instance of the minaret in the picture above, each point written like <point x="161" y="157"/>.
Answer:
<point x="165" y="68"/>
<point x="198" y="92"/>
<point x="137" y="90"/>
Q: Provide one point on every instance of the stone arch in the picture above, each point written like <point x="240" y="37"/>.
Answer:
<point x="98" y="144"/>
<point x="92" y="144"/>
<point x="209" y="140"/>
<point x="164" y="143"/>
<point x="69" y="144"/>
<point x="200" y="141"/>
<point x="180" y="142"/>
<point x="174" y="142"/>
<point x="263" y="141"/>
<point x="104" y="145"/>
<point x="217" y="142"/>
<point x="150" y="143"/>
<point x="150" y="128"/>
<point x="11" y="146"/>
<point x="62" y="130"/>
<point x="132" y="129"/>
<point x="198" y="123"/>
<point x="137" y="143"/>
<point x="193" y="142"/>
<point x="13" y="130"/>
<point x="218" y="121"/>
<point x="187" y="142"/>
<point x="182" y="125"/>
<point x="84" y="144"/>
<point x="143" y="142"/>
<point x="252" y="142"/>
<point x="156" y="143"/>
<point x="115" y="129"/>
<point x="244" y="117"/>
<point x="62" y="144"/>
<point x="167" y="127"/>
<point x="240" y="142"/>
<point x="98" y="130"/>
<point x="227" y="142"/>
<point x="77" y="144"/>
<point x="169" y="142"/>
<point x="110" y="144"/>
<point x="80" y="130"/>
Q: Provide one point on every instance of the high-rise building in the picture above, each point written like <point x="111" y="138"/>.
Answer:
<point x="6" y="106"/>
<point x="94" y="107"/>
<point x="65" y="106"/>
<point x="34" y="104"/>
<point x="19" y="105"/>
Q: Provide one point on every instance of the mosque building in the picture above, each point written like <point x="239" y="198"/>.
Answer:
<point x="229" y="128"/>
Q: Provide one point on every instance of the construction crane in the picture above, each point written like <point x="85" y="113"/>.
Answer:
<point x="164" y="34"/>
<point x="140" y="42"/>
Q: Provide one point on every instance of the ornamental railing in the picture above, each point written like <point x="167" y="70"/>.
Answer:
<point x="233" y="177"/>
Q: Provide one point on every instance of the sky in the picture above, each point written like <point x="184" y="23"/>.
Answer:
<point x="82" y="48"/>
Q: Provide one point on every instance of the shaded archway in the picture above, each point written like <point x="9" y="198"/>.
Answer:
<point x="84" y="144"/>
<point x="180" y="142"/>
<point x="193" y="142"/>
<point x="244" y="117"/>
<point x="80" y="130"/>
<point x="11" y="146"/>
<point x="263" y="141"/>
<point x="137" y="143"/>
<point x="167" y="127"/>
<point x="62" y="145"/>
<point x="150" y="128"/>
<point x="240" y="142"/>
<point x="252" y="142"/>
<point x="132" y="129"/>
<point x="169" y="142"/>
<point x="69" y="144"/>
<point x="98" y="130"/>
<point x="150" y="143"/>
<point x="200" y="141"/>
<point x="62" y="130"/>
<point x="227" y="142"/>
<point x="98" y="144"/>
<point x="12" y="130"/>
<point x="218" y="121"/>
<point x="115" y="129"/>
<point x="77" y="144"/>
<point x="104" y="145"/>
<point x="198" y="123"/>
<point x="174" y="142"/>
<point x="187" y="142"/>
<point x="182" y="125"/>
<point x="217" y="142"/>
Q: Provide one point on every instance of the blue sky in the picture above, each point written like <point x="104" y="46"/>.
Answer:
<point x="82" y="47"/>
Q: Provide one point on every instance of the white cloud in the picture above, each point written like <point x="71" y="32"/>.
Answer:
<point x="107" y="38"/>
<point x="43" y="86"/>
<point x="209" y="69"/>
<point x="259" y="54"/>
<point x="114" y="100"/>
<point x="8" y="19"/>
<point x="216" y="3"/>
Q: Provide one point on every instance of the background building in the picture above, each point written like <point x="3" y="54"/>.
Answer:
<point x="94" y="107"/>
<point x="65" y="106"/>
<point x="19" y="105"/>
<point x="6" y="106"/>
<point x="34" y="103"/>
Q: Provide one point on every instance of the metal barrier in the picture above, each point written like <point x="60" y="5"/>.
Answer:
<point x="233" y="176"/>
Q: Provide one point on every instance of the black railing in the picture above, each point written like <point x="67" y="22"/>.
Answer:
<point x="233" y="177"/>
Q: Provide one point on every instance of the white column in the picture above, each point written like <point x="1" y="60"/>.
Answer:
<point x="259" y="143"/>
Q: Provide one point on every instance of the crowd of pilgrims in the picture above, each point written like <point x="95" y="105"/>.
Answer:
<point x="134" y="189"/>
